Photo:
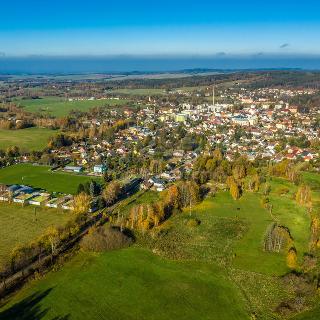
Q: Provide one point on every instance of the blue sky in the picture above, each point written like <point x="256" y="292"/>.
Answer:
<point x="96" y="27"/>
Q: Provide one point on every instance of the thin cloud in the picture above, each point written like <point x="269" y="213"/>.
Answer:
<point x="285" y="45"/>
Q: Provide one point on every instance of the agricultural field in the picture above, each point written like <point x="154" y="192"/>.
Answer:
<point x="59" y="107"/>
<point x="30" y="139"/>
<point x="42" y="177"/>
<point x="140" y="92"/>
<point x="130" y="283"/>
<point x="21" y="225"/>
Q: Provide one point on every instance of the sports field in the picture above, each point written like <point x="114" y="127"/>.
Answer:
<point x="21" y="225"/>
<point x="31" y="139"/>
<point x="42" y="177"/>
<point x="59" y="107"/>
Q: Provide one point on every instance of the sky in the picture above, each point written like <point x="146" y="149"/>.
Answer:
<point x="96" y="27"/>
<point x="219" y="30"/>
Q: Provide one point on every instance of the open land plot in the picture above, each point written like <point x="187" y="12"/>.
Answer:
<point x="235" y="229"/>
<point x="42" y="177"/>
<point x="21" y="225"/>
<point x="186" y="275"/>
<point x="31" y="139"/>
<point x="140" y="92"/>
<point x="59" y="107"/>
<point x="131" y="283"/>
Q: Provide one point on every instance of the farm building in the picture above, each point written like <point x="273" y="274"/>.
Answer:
<point x="57" y="202"/>
<point x="99" y="169"/>
<point x="76" y="169"/>
<point x="40" y="199"/>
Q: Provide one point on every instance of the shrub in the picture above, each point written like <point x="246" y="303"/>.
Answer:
<point x="192" y="223"/>
<point x="282" y="191"/>
<point x="105" y="239"/>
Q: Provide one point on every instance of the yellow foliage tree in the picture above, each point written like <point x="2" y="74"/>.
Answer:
<point x="303" y="195"/>
<point x="292" y="258"/>
<point x="234" y="191"/>
<point x="82" y="203"/>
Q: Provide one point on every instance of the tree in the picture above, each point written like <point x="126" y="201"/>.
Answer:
<point x="267" y="189"/>
<point x="292" y="258"/>
<point x="94" y="188"/>
<point x="217" y="154"/>
<point x="315" y="233"/>
<point x="82" y="203"/>
<point x="235" y="191"/>
<point x="80" y="188"/>
<point x="303" y="195"/>
<point x="239" y="172"/>
<point x="111" y="192"/>
<point x="52" y="238"/>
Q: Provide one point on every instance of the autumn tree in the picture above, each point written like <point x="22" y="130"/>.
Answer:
<point x="235" y="191"/>
<point x="315" y="233"/>
<point x="82" y="203"/>
<point x="292" y="258"/>
<point x="51" y="239"/>
<point x="303" y="195"/>
<point x="111" y="192"/>
<point x="239" y="171"/>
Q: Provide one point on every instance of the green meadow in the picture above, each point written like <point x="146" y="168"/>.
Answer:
<point x="140" y="92"/>
<point x="42" y="177"/>
<point x="21" y="225"/>
<point x="129" y="284"/>
<point x="31" y="139"/>
<point x="215" y="269"/>
<point x="60" y="107"/>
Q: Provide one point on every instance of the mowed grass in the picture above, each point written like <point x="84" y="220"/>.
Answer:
<point x="42" y="177"/>
<point x="59" y="107"/>
<point x="20" y="225"/>
<point x="129" y="284"/>
<point x="31" y="139"/>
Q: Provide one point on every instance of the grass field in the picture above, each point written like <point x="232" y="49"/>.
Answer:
<point x="234" y="230"/>
<point x="185" y="279"/>
<point x="59" y="107"/>
<point x="140" y="92"/>
<point x="129" y="284"/>
<point x="42" y="177"/>
<point x="18" y="224"/>
<point x="31" y="139"/>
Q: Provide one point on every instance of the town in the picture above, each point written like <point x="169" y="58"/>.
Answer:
<point x="221" y="169"/>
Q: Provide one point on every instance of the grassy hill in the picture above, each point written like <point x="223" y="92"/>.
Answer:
<point x="42" y="177"/>
<point x="31" y="139"/>
<point x="59" y="107"/>
<point x="215" y="269"/>
<point x="130" y="284"/>
<point x="20" y="225"/>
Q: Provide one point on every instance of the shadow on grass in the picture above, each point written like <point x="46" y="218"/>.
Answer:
<point x="29" y="309"/>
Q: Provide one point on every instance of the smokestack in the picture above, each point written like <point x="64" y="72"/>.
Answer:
<point x="213" y="97"/>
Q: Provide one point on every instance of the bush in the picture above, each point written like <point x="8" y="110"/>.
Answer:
<point x="105" y="239"/>
<point x="192" y="223"/>
<point x="282" y="191"/>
